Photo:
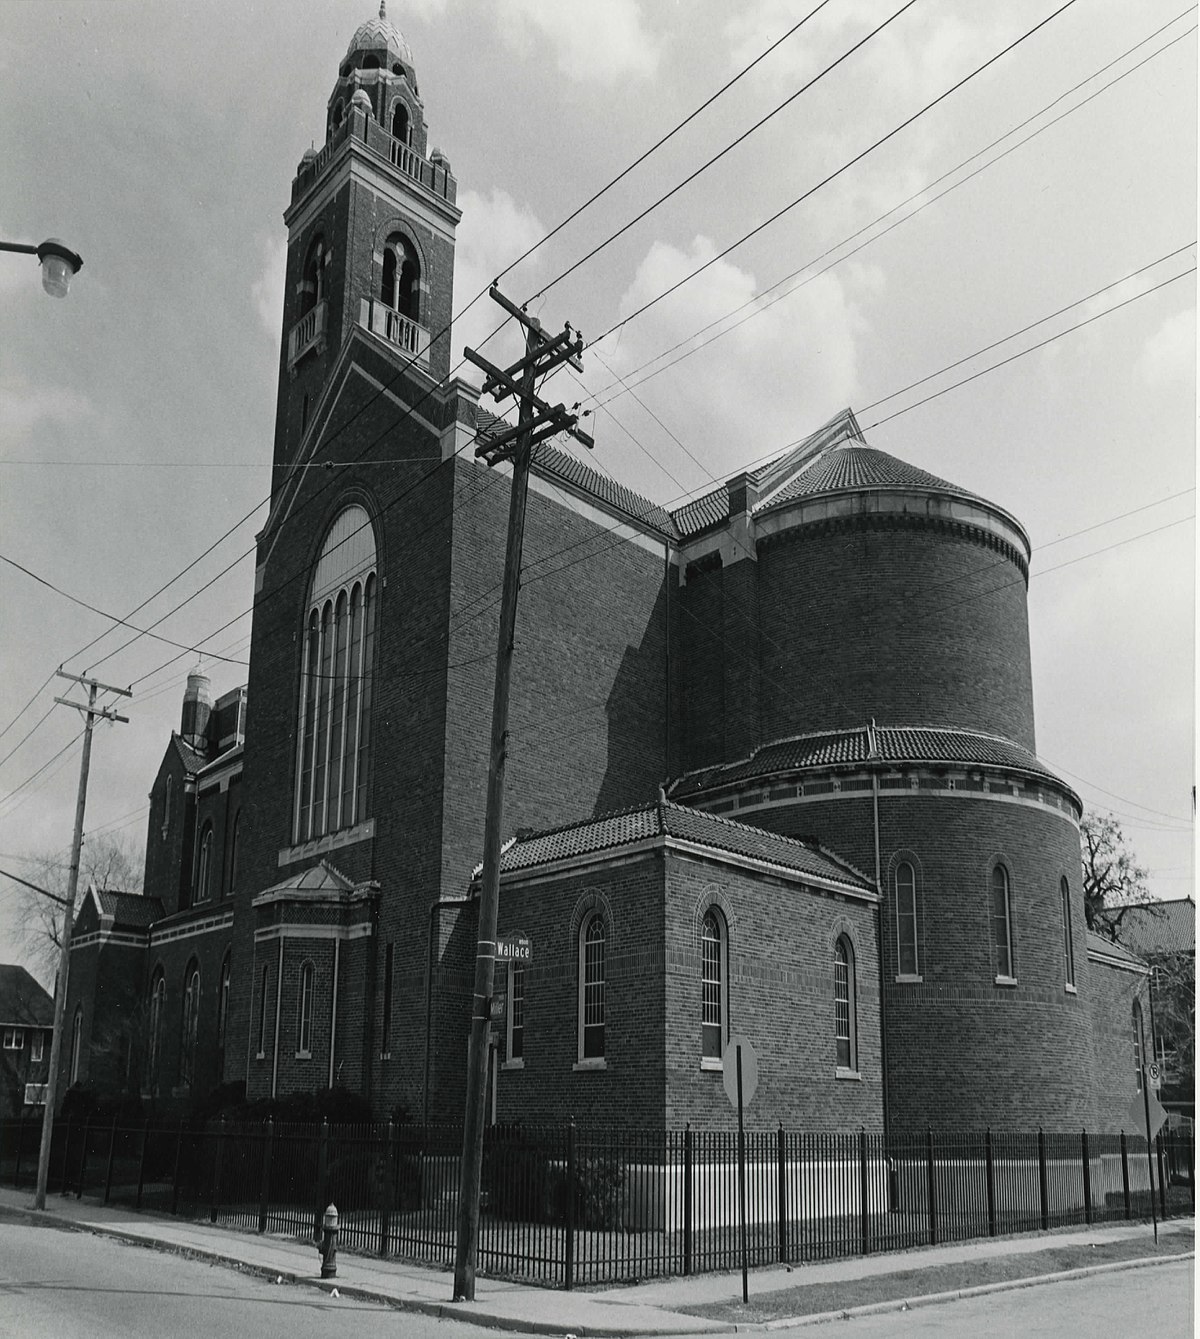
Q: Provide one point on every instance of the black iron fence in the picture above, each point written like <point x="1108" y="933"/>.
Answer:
<point x="565" y="1205"/>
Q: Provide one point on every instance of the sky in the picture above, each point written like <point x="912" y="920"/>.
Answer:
<point x="1000" y="286"/>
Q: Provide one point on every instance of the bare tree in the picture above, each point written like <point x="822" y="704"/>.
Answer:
<point x="1113" y="881"/>
<point x="1173" y="983"/>
<point x="114" y="863"/>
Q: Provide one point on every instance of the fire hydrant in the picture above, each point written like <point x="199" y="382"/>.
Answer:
<point x="327" y="1246"/>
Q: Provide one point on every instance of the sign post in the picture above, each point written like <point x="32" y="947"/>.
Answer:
<point x="1149" y="1143"/>
<point x="740" y="1068"/>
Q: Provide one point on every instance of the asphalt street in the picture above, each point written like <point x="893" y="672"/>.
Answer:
<point x="72" y="1285"/>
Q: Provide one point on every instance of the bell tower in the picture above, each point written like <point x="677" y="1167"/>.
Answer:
<point x="370" y="233"/>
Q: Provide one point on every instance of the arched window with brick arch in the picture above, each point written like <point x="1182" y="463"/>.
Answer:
<point x="223" y="1008"/>
<point x="202" y="889"/>
<point x="158" y="1001"/>
<point x="401" y="128"/>
<point x="592" y="988"/>
<point x="333" y="760"/>
<point x="714" y="978"/>
<point x="304" y="1012"/>
<point x="845" y="1004"/>
<point x="312" y="281"/>
<point x="904" y="893"/>
<point x="401" y="287"/>
<point x="76" y="1043"/>
<point x="189" y="1023"/>
<point x="1002" y="930"/>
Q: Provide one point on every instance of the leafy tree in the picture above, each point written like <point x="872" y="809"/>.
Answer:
<point x="114" y="863"/>
<point x="1113" y="881"/>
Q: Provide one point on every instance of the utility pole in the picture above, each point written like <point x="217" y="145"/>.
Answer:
<point x="91" y="711"/>
<point x="537" y="420"/>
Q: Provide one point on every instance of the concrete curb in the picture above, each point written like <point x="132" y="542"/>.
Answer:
<point x="957" y="1294"/>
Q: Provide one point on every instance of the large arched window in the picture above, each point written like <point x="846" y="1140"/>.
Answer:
<point x="76" y="1043"/>
<point x="845" y="1005"/>
<point x="904" y="887"/>
<point x="223" y="1008"/>
<point x="335" y="691"/>
<point x="401" y="277"/>
<point x="167" y="792"/>
<point x="400" y="125"/>
<point x="1002" y="944"/>
<point x="158" y="1000"/>
<point x="312" y="282"/>
<point x="591" y="989"/>
<point x="233" y="852"/>
<point x="190" y="1023"/>
<point x="713" y="977"/>
<point x="203" y="887"/>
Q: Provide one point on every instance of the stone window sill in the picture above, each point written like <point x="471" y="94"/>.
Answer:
<point x="851" y="1075"/>
<point x="1006" y="980"/>
<point x="385" y="1055"/>
<point x="262" y="1055"/>
<point x="303" y="1055"/>
<point x="1070" y="989"/>
<point x="518" y="1063"/>
<point x="593" y="1062"/>
<point x="712" y="1062"/>
<point x="910" y="978"/>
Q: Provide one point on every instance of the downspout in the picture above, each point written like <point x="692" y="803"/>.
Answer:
<point x="873" y="760"/>
<point x="337" y="962"/>
<point x="278" y="1011"/>
<point x="667" y="667"/>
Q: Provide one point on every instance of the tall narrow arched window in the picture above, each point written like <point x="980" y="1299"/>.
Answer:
<point x="904" y="888"/>
<point x="223" y="1008"/>
<point x="203" y="886"/>
<point x="1138" y="1052"/>
<point x="845" y="1005"/>
<point x="1064" y="891"/>
<point x="158" y="1000"/>
<point x="591" y="989"/>
<point x="333" y="758"/>
<point x="400" y="126"/>
<point x="713" y="976"/>
<point x="312" y="281"/>
<point x="304" y="1012"/>
<point x="233" y="851"/>
<point x="189" y="1023"/>
<point x="168" y="790"/>
<point x="401" y="277"/>
<point x="1002" y="944"/>
<point x="76" y="1043"/>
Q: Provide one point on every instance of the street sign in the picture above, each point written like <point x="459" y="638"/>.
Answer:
<point x="514" y="948"/>
<point x="1154" y="1075"/>
<point x="1136" y="1114"/>
<point x="498" y="1006"/>
<point x="749" y="1070"/>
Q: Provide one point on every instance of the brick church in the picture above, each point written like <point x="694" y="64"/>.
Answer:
<point x="772" y="767"/>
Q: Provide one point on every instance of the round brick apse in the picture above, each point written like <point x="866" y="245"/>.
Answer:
<point x="901" y="619"/>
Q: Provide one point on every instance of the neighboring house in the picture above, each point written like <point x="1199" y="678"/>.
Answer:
<point x="771" y="754"/>
<point x="26" y="1026"/>
<point x="1163" y="934"/>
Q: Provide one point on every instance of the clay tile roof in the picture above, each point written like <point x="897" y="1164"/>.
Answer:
<point x="1159" y="927"/>
<point x="192" y="761"/>
<point x="552" y="462"/>
<point x="702" y="513"/>
<point x="614" y="831"/>
<point x="130" y="909"/>
<point x="854" y="466"/>
<point x="23" y="1002"/>
<point x="1097" y="944"/>
<point x="897" y="744"/>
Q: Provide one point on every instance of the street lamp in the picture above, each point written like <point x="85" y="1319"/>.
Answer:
<point x="57" y="260"/>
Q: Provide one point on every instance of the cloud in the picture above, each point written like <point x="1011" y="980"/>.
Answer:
<point x="1169" y="355"/>
<point x="597" y="42"/>
<point x="23" y="408"/>
<point x="267" y="289"/>
<point x="771" y="379"/>
<point x="493" y="232"/>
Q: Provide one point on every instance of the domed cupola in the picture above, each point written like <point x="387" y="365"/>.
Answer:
<point x="379" y="65"/>
<point x="382" y="39"/>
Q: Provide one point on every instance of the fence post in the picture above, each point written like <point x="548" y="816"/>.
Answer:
<point x="385" y="1191"/>
<point x="66" y="1156"/>
<point x="265" y="1188"/>
<point x="322" y="1177"/>
<point x="218" y="1153"/>
<point x="112" y="1148"/>
<point x="687" y="1198"/>
<point x="1087" y="1178"/>
<point x="175" y="1178"/>
<point x="932" y="1185"/>
<point x="1162" y="1178"/>
<point x="1043" y="1182"/>
<point x="569" y="1217"/>
<point x="137" y="1204"/>
<point x="87" y="1124"/>
<point x="1125" y="1173"/>
<point x="991" y="1182"/>
<point x="781" y="1162"/>
<point x="865" y="1190"/>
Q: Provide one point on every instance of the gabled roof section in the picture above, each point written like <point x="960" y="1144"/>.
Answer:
<point x="1101" y="948"/>
<point x="841" y="430"/>
<point x="629" y="827"/>
<point x="131" y="910"/>
<point x="1158" y="927"/>
<point x="226" y="759"/>
<point x="192" y="761"/>
<point x="321" y="879"/>
<point x="23" y="1002"/>
<point x="890" y="744"/>
<point x="553" y="463"/>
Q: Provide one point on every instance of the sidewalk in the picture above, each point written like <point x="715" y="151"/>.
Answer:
<point x="643" y="1309"/>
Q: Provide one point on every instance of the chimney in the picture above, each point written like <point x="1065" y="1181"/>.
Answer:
<point x="197" y="707"/>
